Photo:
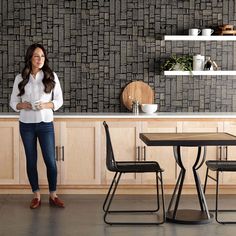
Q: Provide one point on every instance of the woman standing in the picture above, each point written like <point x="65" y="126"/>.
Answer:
<point x="36" y="94"/>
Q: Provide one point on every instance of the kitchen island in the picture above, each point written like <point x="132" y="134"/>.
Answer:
<point x="80" y="148"/>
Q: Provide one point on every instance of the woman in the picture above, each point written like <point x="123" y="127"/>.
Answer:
<point x="36" y="94"/>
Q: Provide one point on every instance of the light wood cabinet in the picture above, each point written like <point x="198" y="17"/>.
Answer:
<point x="77" y="154"/>
<point x="80" y="153"/>
<point x="9" y="152"/>
<point x="229" y="153"/>
<point x="131" y="148"/>
<point x="42" y="172"/>
<point x="126" y="147"/>
<point x="163" y="155"/>
<point x="189" y="153"/>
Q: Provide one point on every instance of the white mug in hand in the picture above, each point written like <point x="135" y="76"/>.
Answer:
<point x="35" y="105"/>
<point x="194" y="32"/>
<point x="207" y="32"/>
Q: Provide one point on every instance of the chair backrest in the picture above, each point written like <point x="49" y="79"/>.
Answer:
<point x="110" y="159"/>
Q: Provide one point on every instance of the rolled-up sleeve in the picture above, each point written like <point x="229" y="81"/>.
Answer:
<point x="14" y="100"/>
<point x="57" y="94"/>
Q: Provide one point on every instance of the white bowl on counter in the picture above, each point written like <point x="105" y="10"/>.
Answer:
<point x="149" y="108"/>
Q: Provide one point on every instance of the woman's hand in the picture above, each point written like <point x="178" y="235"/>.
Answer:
<point x="38" y="106"/>
<point x="24" y="105"/>
<point x="44" y="105"/>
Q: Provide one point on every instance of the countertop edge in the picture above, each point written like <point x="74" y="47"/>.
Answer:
<point x="158" y="115"/>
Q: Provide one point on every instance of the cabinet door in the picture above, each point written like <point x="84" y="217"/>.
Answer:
<point x="163" y="155"/>
<point x="9" y="152"/>
<point x="42" y="172"/>
<point x="189" y="154"/>
<point x="80" y="152"/>
<point x="126" y="147"/>
<point x="229" y="153"/>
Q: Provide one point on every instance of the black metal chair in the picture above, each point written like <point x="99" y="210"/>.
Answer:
<point x="122" y="167"/>
<point x="219" y="166"/>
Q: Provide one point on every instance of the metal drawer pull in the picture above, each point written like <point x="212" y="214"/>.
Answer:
<point x="138" y="153"/>
<point x="144" y="153"/>
<point x="62" y="149"/>
<point x="220" y="152"/>
<point x="56" y="153"/>
<point x="226" y="153"/>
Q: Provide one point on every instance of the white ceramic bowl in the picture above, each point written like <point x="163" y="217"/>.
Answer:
<point x="149" y="108"/>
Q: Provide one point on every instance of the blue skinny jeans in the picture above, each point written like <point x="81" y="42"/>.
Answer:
<point x="44" y="132"/>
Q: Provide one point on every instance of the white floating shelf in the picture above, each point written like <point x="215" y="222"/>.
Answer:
<point x="214" y="72"/>
<point x="200" y="38"/>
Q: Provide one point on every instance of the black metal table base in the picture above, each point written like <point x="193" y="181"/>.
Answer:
<point x="187" y="216"/>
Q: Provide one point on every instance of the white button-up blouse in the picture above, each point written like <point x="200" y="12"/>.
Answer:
<point x="34" y="91"/>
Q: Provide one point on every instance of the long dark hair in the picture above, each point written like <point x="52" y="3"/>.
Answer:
<point x="48" y="79"/>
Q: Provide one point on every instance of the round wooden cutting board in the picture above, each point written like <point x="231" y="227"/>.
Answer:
<point x="137" y="90"/>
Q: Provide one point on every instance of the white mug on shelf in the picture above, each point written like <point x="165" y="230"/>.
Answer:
<point x="207" y="32"/>
<point x="194" y="32"/>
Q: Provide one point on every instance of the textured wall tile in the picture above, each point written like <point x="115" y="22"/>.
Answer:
<point x="97" y="47"/>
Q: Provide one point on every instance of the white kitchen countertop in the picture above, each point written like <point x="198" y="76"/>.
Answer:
<point x="117" y="115"/>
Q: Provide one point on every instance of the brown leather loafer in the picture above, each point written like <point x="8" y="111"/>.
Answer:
<point x="35" y="203"/>
<point x="56" y="202"/>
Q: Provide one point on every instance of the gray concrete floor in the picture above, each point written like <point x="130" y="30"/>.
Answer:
<point x="83" y="216"/>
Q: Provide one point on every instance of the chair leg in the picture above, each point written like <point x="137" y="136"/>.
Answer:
<point x="159" y="178"/>
<point x="163" y="200"/>
<point x="110" y="196"/>
<point x="205" y="182"/>
<point x="111" y="193"/>
<point x="217" y="195"/>
<point x="157" y="188"/>
<point x="217" y="204"/>
<point x="217" y="198"/>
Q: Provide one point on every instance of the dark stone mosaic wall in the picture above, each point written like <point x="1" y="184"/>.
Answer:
<point x="97" y="47"/>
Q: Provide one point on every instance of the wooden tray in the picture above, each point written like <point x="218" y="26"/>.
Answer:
<point x="227" y="32"/>
<point x="137" y="90"/>
<point x="226" y="27"/>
